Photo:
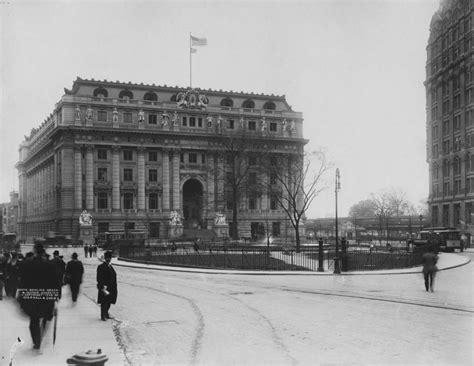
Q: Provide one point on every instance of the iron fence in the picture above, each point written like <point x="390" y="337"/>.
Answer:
<point x="272" y="258"/>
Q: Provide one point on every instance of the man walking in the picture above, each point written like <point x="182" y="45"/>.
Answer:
<point x="60" y="268"/>
<point x="74" y="272"/>
<point x="429" y="260"/>
<point x="107" y="286"/>
<point x="37" y="276"/>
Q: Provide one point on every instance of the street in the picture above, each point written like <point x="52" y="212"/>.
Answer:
<point x="165" y="317"/>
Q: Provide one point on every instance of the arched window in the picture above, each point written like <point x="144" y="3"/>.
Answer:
<point x="151" y="96"/>
<point x="126" y="94"/>
<point x="227" y="102"/>
<point x="269" y="106"/>
<point x="250" y="104"/>
<point x="101" y="93"/>
<point x="173" y="98"/>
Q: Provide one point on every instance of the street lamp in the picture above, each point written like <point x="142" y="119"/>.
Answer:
<point x="421" y="221"/>
<point x="337" y="268"/>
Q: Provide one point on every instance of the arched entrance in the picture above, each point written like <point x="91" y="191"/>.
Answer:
<point x="192" y="204"/>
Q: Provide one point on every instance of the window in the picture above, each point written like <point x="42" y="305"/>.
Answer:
<point x="468" y="212"/>
<point x="153" y="175"/>
<point x="457" y="122"/>
<point x="273" y="127"/>
<point x="154" y="230"/>
<point x="457" y="144"/>
<point x="467" y="163"/>
<point x="252" y="125"/>
<point x="128" y="175"/>
<point x="273" y="202"/>
<point x="434" y="113"/>
<point x="102" y="116"/>
<point x="129" y="226"/>
<point x="102" y="154"/>
<point x="230" y="124"/>
<point x="128" y="155"/>
<point x="100" y="93"/>
<point x="276" y="229"/>
<point x="151" y="97"/>
<point x="102" y="227"/>
<point x="252" y="203"/>
<point x="127" y="117"/>
<point x="152" y="156"/>
<point x="152" y="119"/>
<point x="227" y="102"/>
<point x="273" y="178"/>
<point x="457" y="101"/>
<point x="435" y="171"/>
<point x="468" y="96"/>
<point x="457" y="186"/>
<point x="153" y="201"/>
<point x="126" y="95"/>
<point x="446" y="128"/>
<point x="269" y="106"/>
<point x="445" y="188"/>
<point x="181" y="158"/>
<point x="445" y="107"/>
<point x="434" y="132"/>
<point x="102" y="201"/>
<point x="128" y="201"/>
<point x="192" y="158"/>
<point x="203" y="158"/>
<point x="435" y="215"/>
<point x="456" y="213"/>
<point x="248" y="104"/>
<point x="446" y="168"/>
<point x="252" y="178"/>
<point x="199" y="122"/>
<point x="469" y="118"/>
<point x="229" y="178"/>
<point x="192" y="121"/>
<point x="102" y="174"/>
<point x="446" y="147"/>
<point x="185" y="121"/>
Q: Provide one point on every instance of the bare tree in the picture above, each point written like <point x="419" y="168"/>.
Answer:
<point x="294" y="181"/>
<point x="383" y="211"/>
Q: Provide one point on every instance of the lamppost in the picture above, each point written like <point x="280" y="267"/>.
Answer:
<point x="337" y="268"/>
<point x="421" y="221"/>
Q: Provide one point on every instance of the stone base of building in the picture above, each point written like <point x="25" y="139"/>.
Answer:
<point x="86" y="234"/>
<point x="175" y="231"/>
<point x="221" y="231"/>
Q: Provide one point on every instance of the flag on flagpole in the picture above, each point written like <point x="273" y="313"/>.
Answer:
<point x="195" y="41"/>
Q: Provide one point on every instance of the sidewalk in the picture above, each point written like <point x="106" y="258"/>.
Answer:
<point x="79" y="329"/>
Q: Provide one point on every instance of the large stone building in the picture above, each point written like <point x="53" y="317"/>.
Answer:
<point x="9" y="214"/>
<point x="450" y="115"/>
<point x="130" y="154"/>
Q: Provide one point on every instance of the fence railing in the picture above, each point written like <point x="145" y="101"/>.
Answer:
<point x="272" y="258"/>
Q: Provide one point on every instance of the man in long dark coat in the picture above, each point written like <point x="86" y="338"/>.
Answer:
<point x="74" y="272"/>
<point x="38" y="273"/>
<point x="60" y="267"/>
<point x="107" y="285"/>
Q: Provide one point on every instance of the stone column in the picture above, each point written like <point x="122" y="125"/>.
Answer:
<point x="176" y="182"/>
<point x="221" y="176"/>
<point x="211" y="199"/>
<point x="141" y="178"/>
<point x="90" y="177"/>
<point x="166" y="179"/>
<point x="116" y="178"/>
<point x="77" y="178"/>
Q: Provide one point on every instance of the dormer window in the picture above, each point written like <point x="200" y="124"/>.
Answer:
<point x="100" y="93"/>
<point x="227" y="102"/>
<point x="151" y="96"/>
<point x="269" y="106"/>
<point x="248" y="104"/>
<point x="126" y="95"/>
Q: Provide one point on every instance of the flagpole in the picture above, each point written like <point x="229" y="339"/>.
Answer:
<point x="190" y="63"/>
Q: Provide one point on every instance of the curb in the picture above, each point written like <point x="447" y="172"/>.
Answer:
<point x="158" y="267"/>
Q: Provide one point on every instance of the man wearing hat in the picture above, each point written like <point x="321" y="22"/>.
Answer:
<point x="38" y="274"/>
<point x="60" y="268"/>
<point x="107" y="286"/>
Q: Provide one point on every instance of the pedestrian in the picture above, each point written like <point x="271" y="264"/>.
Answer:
<point x="39" y="281"/>
<point x="106" y="285"/>
<point x="95" y="250"/>
<point x="12" y="275"/>
<point x="60" y="268"/>
<point x="429" y="261"/>
<point x="90" y="250"/>
<point x="86" y="250"/>
<point x="3" y="269"/>
<point x="74" y="272"/>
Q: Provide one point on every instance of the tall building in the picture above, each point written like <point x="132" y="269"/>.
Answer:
<point x="9" y="214"/>
<point x="130" y="154"/>
<point x="450" y="115"/>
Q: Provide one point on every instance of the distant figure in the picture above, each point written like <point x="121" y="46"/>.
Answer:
<point x="86" y="250"/>
<point x="12" y="275"/>
<point x="74" y="272"/>
<point x="95" y="250"/>
<point x="91" y="249"/>
<point x="38" y="273"/>
<point x="429" y="260"/>
<point x="107" y="286"/>
<point x="60" y="268"/>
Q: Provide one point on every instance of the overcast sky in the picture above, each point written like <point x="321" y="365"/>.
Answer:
<point x="355" y="69"/>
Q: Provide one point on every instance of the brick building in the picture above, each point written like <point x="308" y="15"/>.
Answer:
<point x="450" y="115"/>
<point x="132" y="153"/>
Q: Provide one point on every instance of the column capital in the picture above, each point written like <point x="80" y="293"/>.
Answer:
<point x="141" y="149"/>
<point x="116" y="148"/>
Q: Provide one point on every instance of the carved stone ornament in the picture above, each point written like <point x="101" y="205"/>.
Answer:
<point x="78" y="113"/>
<point x="165" y="119"/>
<point x="264" y="124"/>
<point x="141" y="116"/>
<point x="284" y="125"/>
<point x="220" y="219"/>
<point x="175" y="218"/>
<point x="85" y="219"/>
<point x="175" y="119"/>
<point x="89" y="114"/>
<point x="209" y="121"/>
<point x="115" y="116"/>
<point x="192" y="99"/>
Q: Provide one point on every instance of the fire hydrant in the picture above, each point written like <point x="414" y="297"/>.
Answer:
<point x="88" y="358"/>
